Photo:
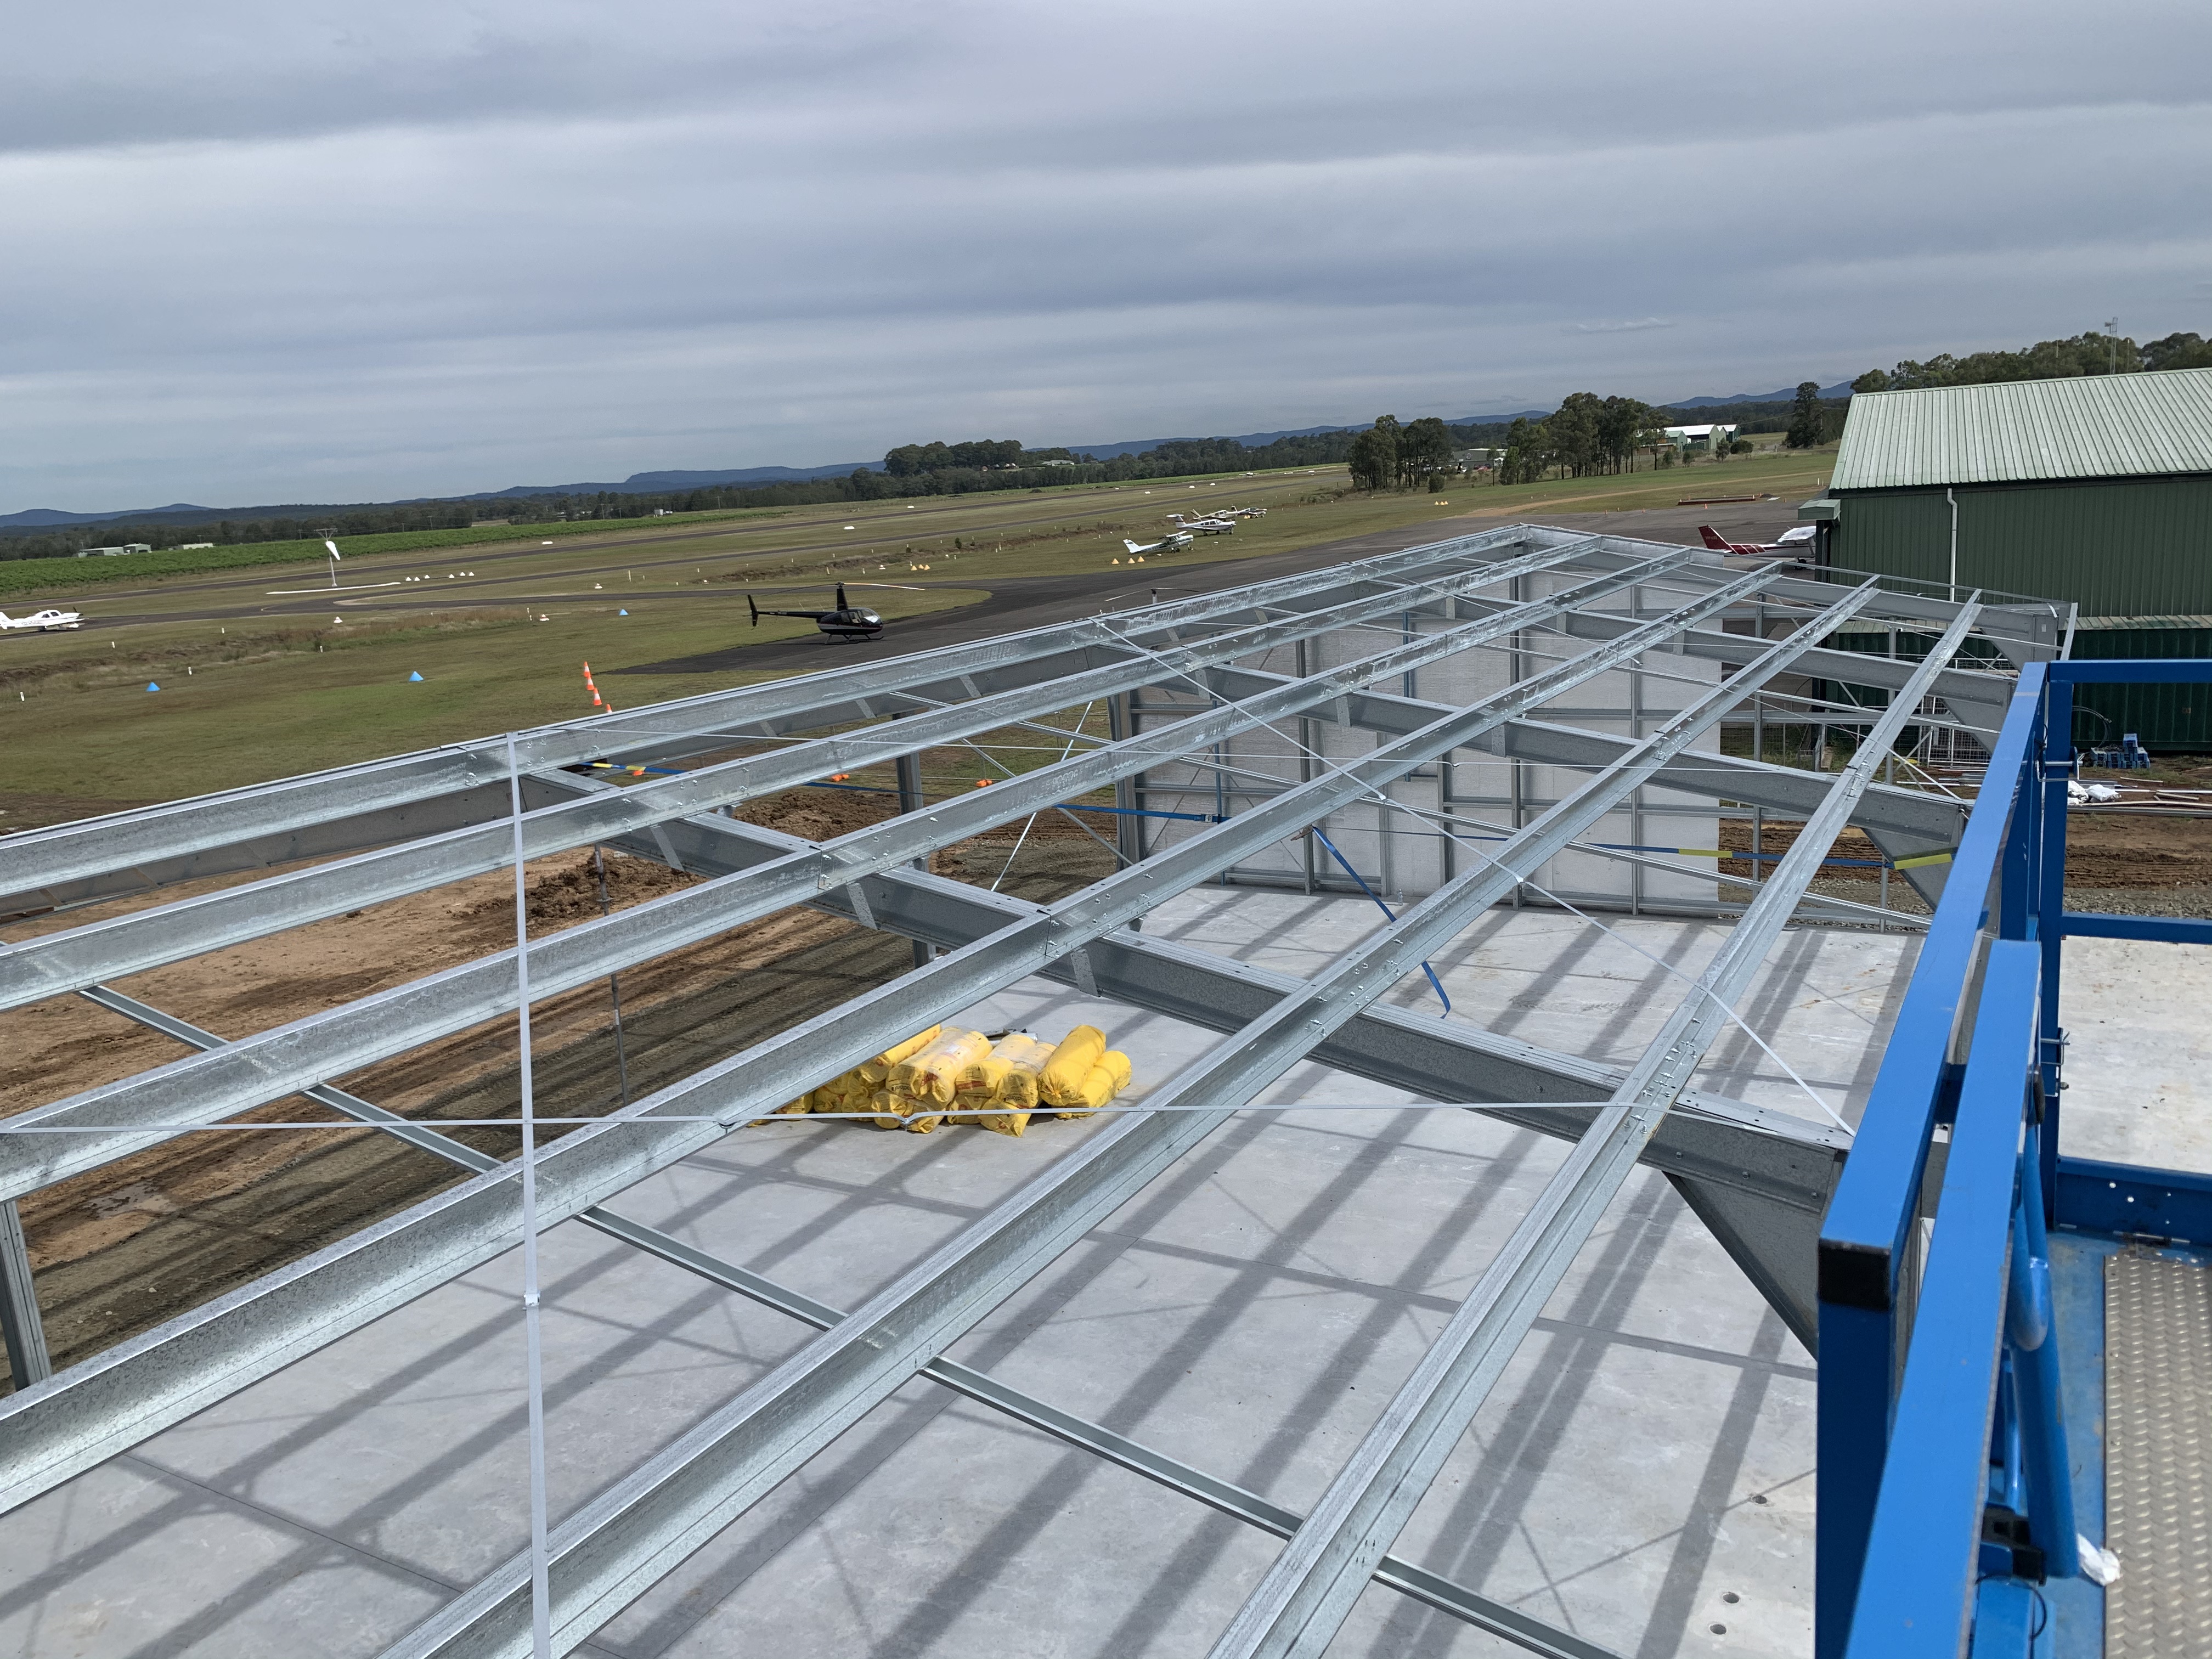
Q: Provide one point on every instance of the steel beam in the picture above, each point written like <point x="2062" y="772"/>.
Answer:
<point x="619" y="1544"/>
<point x="135" y="1389"/>
<point x="1430" y="1589"/>
<point x="63" y="864"/>
<point x="57" y="963"/>
<point x="1765" y="1154"/>
<point x="22" y="1330"/>
<point x="280" y="1062"/>
<point x="1304" y="1597"/>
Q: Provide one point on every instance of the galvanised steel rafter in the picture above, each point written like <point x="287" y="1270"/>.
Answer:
<point x="131" y="944"/>
<point x="628" y="1537"/>
<point x="623" y="1541"/>
<point x="141" y="1386"/>
<point x="288" y="1058"/>
<point x="303" y="816"/>
<point x="1306" y="1595"/>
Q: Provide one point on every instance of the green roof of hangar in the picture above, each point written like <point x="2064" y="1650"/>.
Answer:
<point x="2100" y="426"/>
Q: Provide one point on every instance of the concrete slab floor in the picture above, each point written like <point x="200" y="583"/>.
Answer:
<point x="1648" y="1455"/>
<point x="2141" y="1055"/>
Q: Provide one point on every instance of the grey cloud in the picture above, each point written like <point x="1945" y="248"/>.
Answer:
<point x="300" y="251"/>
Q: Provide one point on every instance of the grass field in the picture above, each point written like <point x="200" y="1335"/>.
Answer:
<point x="265" y="673"/>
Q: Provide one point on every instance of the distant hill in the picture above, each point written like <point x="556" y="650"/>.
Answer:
<point x="40" y="517"/>
<point x="654" y="483"/>
<point x="1788" y="394"/>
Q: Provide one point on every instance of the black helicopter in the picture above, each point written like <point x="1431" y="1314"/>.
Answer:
<point x="847" y="622"/>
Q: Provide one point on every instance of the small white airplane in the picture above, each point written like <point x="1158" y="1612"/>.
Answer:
<point x="1240" y="512"/>
<point x="46" y="621"/>
<point x="1165" y="544"/>
<point x="1210" y="524"/>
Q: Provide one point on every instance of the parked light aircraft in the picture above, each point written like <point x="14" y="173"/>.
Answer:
<point x="1168" y="543"/>
<point x="46" y="621"/>
<point x="847" y="622"/>
<point x="1789" y="542"/>
<point x="1211" y="525"/>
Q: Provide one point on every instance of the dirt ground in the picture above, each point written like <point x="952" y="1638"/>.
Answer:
<point x="124" y="1246"/>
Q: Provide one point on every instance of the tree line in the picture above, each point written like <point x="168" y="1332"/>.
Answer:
<point x="2088" y="353"/>
<point x="1586" y="436"/>
<point x="295" y="523"/>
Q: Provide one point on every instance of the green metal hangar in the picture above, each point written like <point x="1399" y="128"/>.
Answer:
<point x="2097" y="490"/>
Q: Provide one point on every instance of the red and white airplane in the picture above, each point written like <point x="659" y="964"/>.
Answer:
<point x="1790" y="540"/>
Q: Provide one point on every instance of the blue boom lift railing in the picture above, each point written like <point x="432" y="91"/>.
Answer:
<point x="1945" y="1496"/>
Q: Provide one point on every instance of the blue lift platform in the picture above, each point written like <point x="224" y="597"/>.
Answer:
<point x="1973" y="1278"/>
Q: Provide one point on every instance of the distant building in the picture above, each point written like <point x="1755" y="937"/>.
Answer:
<point x="1701" y="437"/>
<point x="1475" y="460"/>
<point x="192" y="547"/>
<point x="2094" y="489"/>
<point x="112" y="552"/>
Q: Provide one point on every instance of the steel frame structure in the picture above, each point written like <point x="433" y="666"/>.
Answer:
<point x="1759" y="1178"/>
<point x="1947" y="1480"/>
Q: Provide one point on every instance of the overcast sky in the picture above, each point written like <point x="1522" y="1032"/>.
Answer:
<point x="313" y="252"/>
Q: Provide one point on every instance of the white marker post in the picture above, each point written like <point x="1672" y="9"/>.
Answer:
<point x="333" y="546"/>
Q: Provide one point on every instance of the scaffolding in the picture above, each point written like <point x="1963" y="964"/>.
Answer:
<point x="1525" y="715"/>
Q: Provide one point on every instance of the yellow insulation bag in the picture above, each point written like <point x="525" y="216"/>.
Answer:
<point x="890" y="1109"/>
<point x="803" y="1104"/>
<point x="1026" y="1059"/>
<point x="1020" y="1058"/>
<point x="1105" y="1080"/>
<point x="1098" y="1089"/>
<point x="878" y="1070"/>
<point x="980" y="1080"/>
<point x="1117" y="1067"/>
<point x="933" y="1073"/>
<point x="1061" y="1082"/>
<point x="843" y="1094"/>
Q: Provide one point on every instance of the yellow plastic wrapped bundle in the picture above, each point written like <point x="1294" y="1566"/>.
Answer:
<point x="980" y="1082"/>
<point x="877" y="1071"/>
<point x="934" y="1073"/>
<point x="1022" y="1056"/>
<point x="1061" y="1082"/>
<point x="890" y="1109"/>
<point x="1026" y="1059"/>
<point x="1102" y="1082"/>
<point x="849" y="1093"/>
<point x="797" y="1107"/>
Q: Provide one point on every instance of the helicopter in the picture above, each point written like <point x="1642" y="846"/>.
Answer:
<point x="847" y="622"/>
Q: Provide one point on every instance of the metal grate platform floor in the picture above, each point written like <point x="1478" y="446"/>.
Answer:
<point x="2158" y="1492"/>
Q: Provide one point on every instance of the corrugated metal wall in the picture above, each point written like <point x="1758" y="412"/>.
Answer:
<point x="2163" y="716"/>
<point x="2132" y="548"/>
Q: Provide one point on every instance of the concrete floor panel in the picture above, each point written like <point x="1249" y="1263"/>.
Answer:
<point x="1250" y="1313"/>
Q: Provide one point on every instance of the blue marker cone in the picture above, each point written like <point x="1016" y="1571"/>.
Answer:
<point x="413" y="677"/>
<point x="150" y="686"/>
<point x="621" y="613"/>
